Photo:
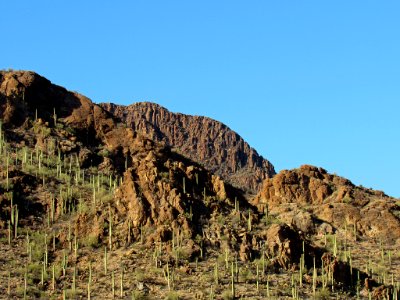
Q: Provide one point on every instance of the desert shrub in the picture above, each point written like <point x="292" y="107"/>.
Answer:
<point x="227" y="295"/>
<point x="246" y="274"/>
<point x="172" y="296"/>
<point x="347" y="200"/>
<point x="139" y="295"/>
<point x="104" y="153"/>
<point x="35" y="269"/>
<point x="322" y="294"/>
<point x="164" y="176"/>
<point x="236" y="220"/>
<point x="139" y="274"/>
<point x="41" y="130"/>
<point x="91" y="241"/>
<point x="269" y="220"/>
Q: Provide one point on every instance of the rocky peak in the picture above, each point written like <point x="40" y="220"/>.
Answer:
<point x="206" y="141"/>
<point x="315" y="201"/>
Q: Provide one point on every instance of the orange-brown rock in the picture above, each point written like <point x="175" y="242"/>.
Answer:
<point x="307" y="196"/>
<point x="206" y="141"/>
<point x="284" y="245"/>
<point x="27" y="95"/>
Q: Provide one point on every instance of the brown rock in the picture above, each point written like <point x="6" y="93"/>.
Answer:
<point x="330" y="199"/>
<point x="245" y="249"/>
<point x="219" y="187"/>
<point x="382" y="292"/>
<point x="201" y="139"/>
<point x="284" y="245"/>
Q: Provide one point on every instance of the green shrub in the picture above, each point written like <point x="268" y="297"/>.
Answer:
<point x="322" y="294"/>
<point x="91" y="241"/>
<point x="104" y="153"/>
<point x="172" y="296"/>
<point x="227" y="295"/>
<point x="138" y="295"/>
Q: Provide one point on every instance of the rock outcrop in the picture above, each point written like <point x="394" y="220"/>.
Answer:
<point x="27" y="95"/>
<point x="206" y="141"/>
<point x="318" y="202"/>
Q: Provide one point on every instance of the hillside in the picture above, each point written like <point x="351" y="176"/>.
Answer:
<point x="91" y="208"/>
<point x="206" y="141"/>
<point x="316" y="201"/>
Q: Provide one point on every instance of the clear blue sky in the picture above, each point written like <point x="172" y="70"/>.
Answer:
<point x="314" y="82"/>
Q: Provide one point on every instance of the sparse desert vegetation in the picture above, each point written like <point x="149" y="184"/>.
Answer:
<point x="93" y="209"/>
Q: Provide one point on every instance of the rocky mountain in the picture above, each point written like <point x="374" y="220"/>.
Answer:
<point x="206" y="141"/>
<point x="93" y="208"/>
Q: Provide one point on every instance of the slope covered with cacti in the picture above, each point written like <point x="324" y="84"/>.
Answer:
<point x="92" y="209"/>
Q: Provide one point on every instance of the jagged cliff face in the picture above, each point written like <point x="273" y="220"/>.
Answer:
<point x="206" y="141"/>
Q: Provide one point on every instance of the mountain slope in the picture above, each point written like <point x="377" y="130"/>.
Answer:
<point x="206" y="141"/>
<point x="86" y="201"/>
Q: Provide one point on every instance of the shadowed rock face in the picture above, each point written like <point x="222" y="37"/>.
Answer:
<point x="206" y="141"/>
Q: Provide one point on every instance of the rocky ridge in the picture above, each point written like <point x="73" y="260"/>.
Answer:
<point x="318" y="202"/>
<point x="206" y="141"/>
